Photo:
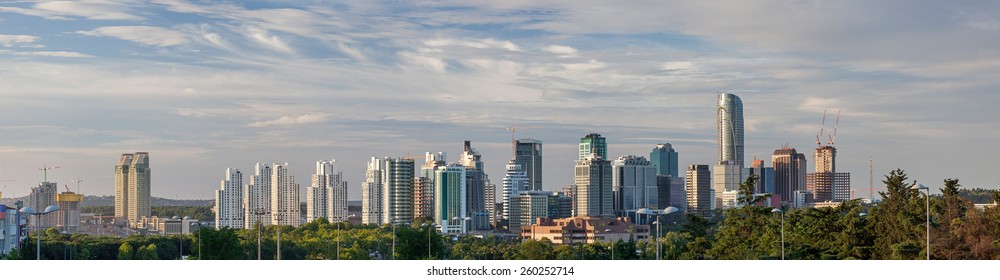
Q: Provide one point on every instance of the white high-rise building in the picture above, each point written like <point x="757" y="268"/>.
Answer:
<point x="397" y="191"/>
<point x="257" y="197"/>
<point x="132" y="187"/>
<point x="593" y="190"/>
<point x="327" y="196"/>
<point x="515" y="182"/>
<point x="450" y="199"/>
<point x="284" y="197"/>
<point x="634" y="183"/>
<point x="229" y="201"/>
<point x="371" y="193"/>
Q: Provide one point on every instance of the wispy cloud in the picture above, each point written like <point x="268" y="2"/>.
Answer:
<point x="292" y="120"/>
<point x="146" y="35"/>
<point x="48" y="53"/>
<point x="560" y="50"/>
<point x="16" y="40"/>
<point x="88" y="9"/>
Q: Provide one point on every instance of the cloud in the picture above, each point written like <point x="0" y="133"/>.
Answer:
<point x="292" y="120"/>
<point x="88" y="9"/>
<point x="560" y="50"/>
<point x="48" y="53"/>
<point x="432" y="63"/>
<point x="146" y="35"/>
<point x="488" y="43"/>
<point x="266" y="40"/>
<point x="16" y="40"/>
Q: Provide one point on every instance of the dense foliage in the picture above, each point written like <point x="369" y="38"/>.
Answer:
<point x="892" y="229"/>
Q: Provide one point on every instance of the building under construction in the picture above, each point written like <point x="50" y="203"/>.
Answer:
<point x="68" y="216"/>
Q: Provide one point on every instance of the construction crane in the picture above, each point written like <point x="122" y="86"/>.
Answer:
<point x="819" y="136"/>
<point x="513" y="129"/>
<point x="77" y="181"/>
<point x="45" y="169"/>
<point x="833" y="137"/>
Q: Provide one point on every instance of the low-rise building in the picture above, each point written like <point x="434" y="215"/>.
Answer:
<point x="585" y="230"/>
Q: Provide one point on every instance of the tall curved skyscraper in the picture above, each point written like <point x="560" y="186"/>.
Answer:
<point x="730" y="124"/>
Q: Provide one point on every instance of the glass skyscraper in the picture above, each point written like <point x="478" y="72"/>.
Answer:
<point x="730" y="129"/>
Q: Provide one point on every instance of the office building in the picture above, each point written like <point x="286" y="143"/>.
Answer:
<point x="42" y="196"/>
<point x="765" y="177"/>
<point x="514" y="182"/>
<point x="449" y="199"/>
<point x="700" y="196"/>
<point x="593" y="192"/>
<point x="285" y="209"/>
<point x="257" y="197"/>
<point x="664" y="159"/>
<point x="634" y="184"/>
<point x="528" y="154"/>
<point x="229" y="201"/>
<point x="789" y="173"/>
<point x="68" y="216"/>
<point x="397" y="191"/>
<point x="491" y="202"/>
<point x="593" y="143"/>
<point x="531" y="205"/>
<point x="577" y="230"/>
<point x="475" y="185"/>
<point x="132" y="187"/>
<point x="372" y="207"/>
<point x="730" y="129"/>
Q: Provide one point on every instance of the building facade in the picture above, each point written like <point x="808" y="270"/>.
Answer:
<point x="698" y="187"/>
<point x="229" y="201"/>
<point x="397" y="193"/>
<point x="449" y="199"/>
<point x="634" y="184"/>
<point x="257" y="197"/>
<point x="593" y="143"/>
<point x="372" y="207"/>
<point x="132" y="187"/>
<point x="326" y="197"/>
<point x="475" y="185"/>
<point x="577" y="230"/>
<point x="284" y="197"/>
<point x="531" y="205"/>
<point x="730" y="129"/>
<point x="42" y="196"/>
<point x="68" y="216"/>
<point x="528" y="154"/>
<point x="664" y="159"/>
<point x="789" y="173"/>
<point x="514" y="182"/>
<point x="593" y="192"/>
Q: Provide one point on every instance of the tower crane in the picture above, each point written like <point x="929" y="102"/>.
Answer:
<point x="513" y="129"/>
<point x="45" y="169"/>
<point x="819" y="143"/>
<point x="835" y="126"/>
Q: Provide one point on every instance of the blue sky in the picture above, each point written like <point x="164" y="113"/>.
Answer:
<point x="207" y="85"/>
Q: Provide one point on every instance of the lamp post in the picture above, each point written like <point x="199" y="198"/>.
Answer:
<point x="38" y="225"/>
<point x="259" y="212"/>
<point x="338" y="237"/>
<point x="927" y="207"/>
<point x="608" y="231"/>
<point x="431" y="227"/>
<point x="778" y="210"/>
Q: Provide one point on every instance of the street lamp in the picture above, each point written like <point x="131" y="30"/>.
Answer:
<point x="38" y="225"/>
<point x="778" y="210"/>
<point x="200" y="225"/>
<point x="667" y="211"/>
<point x="431" y="227"/>
<point x="608" y="231"/>
<point x="927" y="202"/>
<point x="259" y="212"/>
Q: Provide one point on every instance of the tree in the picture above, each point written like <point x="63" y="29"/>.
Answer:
<point x="147" y="252"/>
<point x="536" y="250"/>
<point x="898" y="221"/>
<point x="125" y="252"/>
<point x="747" y="232"/>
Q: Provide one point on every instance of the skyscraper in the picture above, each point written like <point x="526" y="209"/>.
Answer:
<point x="423" y="185"/>
<point x="229" y="201"/>
<point x="475" y="186"/>
<point x="765" y="177"/>
<point x="326" y="197"/>
<point x="634" y="184"/>
<point x="531" y="205"/>
<point x="699" y="191"/>
<point x="257" y="197"/>
<point x="730" y="129"/>
<point x="789" y="173"/>
<point x="528" y="154"/>
<point x="449" y="199"/>
<point x="593" y="143"/>
<point x="514" y="182"/>
<point x="397" y="191"/>
<point x="593" y="187"/>
<point x="42" y="196"/>
<point x="68" y="216"/>
<point x="826" y="184"/>
<point x="664" y="159"/>
<point x="372" y="207"/>
<point x="284" y="197"/>
<point x="132" y="187"/>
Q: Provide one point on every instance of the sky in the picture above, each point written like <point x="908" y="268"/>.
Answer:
<point x="203" y="86"/>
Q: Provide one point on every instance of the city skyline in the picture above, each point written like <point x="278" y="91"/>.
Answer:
<point x="206" y="87"/>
